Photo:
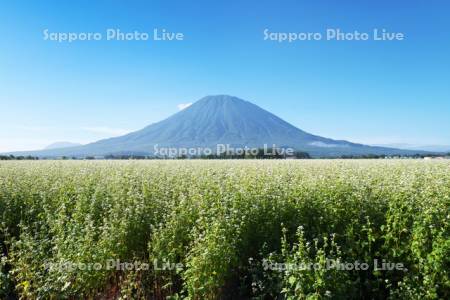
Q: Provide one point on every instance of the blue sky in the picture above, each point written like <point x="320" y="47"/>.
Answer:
<point x="376" y="92"/>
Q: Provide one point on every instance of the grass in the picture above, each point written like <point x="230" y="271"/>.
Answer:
<point x="224" y="229"/>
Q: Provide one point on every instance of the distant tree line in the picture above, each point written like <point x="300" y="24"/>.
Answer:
<point x="366" y="156"/>
<point x="12" y="157"/>
<point x="381" y="156"/>
<point x="260" y="154"/>
<point x="121" y="156"/>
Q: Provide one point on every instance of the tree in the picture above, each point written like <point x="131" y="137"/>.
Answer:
<point x="301" y="155"/>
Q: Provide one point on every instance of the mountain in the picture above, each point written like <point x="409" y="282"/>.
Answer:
<point x="215" y="120"/>
<point x="59" y="145"/>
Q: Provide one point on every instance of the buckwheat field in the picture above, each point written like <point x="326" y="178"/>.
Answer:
<point x="242" y="229"/>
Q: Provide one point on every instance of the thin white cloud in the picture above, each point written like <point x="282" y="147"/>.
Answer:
<point x="326" y="145"/>
<point x="106" y="130"/>
<point x="398" y="141"/>
<point x="182" y="106"/>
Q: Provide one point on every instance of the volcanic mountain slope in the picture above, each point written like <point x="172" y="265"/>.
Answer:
<point x="215" y="120"/>
<point x="58" y="145"/>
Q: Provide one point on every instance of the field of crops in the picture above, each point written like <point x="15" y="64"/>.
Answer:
<point x="225" y="229"/>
